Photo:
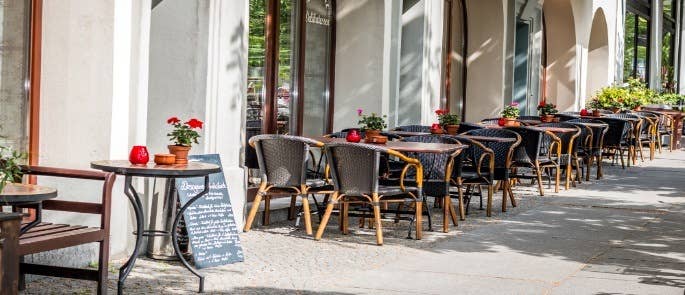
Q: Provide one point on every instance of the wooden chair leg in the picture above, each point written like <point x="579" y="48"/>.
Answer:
<point x="588" y="168"/>
<point x="568" y="175"/>
<point x="266" y="216"/>
<point x="557" y="178"/>
<point x="345" y="218"/>
<point x="488" y="209"/>
<point x="511" y="197"/>
<point x="462" y="207"/>
<point x="504" y="195"/>
<point x="253" y="212"/>
<point x="538" y="173"/>
<point x="445" y="213"/>
<point x="377" y="218"/>
<point x="418" y="219"/>
<point x="103" y="265"/>
<point x="307" y="214"/>
<point x="292" y="211"/>
<point x="326" y="216"/>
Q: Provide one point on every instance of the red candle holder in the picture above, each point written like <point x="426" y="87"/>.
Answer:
<point x="353" y="136"/>
<point x="139" y="155"/>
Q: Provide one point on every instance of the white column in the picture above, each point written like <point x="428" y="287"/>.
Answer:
<point x="226" y="94"/>
<point x="433" y="53"/>
<point x="656" y="39"/>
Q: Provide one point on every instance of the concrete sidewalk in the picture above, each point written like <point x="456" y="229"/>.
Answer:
<point x="624" y="234"/>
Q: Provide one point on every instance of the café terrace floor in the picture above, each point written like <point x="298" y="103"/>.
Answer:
<point x="624" y="234"/>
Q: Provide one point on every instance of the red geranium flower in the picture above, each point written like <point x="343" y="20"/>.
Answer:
<point x="172" y="120"/>
<point x="194" y="123"/>
<point x="439" y="112"/>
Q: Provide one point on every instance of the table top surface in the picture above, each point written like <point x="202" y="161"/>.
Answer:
<point x="17" y="193"/>
<point x="124" y="167"/>
<point x="408" y="147"/>
<point x="488" y="138"/>
<point x="530" y="122"/>
<point x="554" y="129"/>
<point x="407" y="133"/>
<point x="590" y="124"/>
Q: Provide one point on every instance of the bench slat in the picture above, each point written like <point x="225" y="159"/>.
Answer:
<point x="50" y="231"/>
<point x="60" y="240"/>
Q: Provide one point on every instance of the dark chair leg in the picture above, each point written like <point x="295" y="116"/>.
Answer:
<point x="292" y="209"/>
<point x="103" y="265"/>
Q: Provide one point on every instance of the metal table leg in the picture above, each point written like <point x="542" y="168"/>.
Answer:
<point x="138" y="210"/>
<point x="174" y="235"/>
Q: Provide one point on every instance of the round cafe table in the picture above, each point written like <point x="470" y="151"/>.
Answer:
<point x="29" y="196"/>
<point x="128" y="170"/>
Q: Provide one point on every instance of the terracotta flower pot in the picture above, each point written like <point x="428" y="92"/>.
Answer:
<point x="547" y="118"/>
<point x="452" y="129"/>
<point x="181" y="153"/>
<point x="637" y="108"/>
<point x="596" y="113"/>
<point x="510" y="122"/>
<point x="615" y="110"/>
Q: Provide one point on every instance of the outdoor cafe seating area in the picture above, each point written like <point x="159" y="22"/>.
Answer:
<point x="427" y="178"/>
<point x="398" y="174"/>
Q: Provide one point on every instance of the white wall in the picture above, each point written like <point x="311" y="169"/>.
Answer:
<point x="178" y="68"/>
<point x="358" y="60"/>
<point x="86" y="101"/>
<point x="485" y="60"/>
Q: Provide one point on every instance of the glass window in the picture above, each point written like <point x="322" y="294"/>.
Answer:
<point x="636" y="47"/>
<point x="14" y="66"/>
<point x="669" y="8"/>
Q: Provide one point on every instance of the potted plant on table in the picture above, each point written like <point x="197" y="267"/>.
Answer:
<point x="510" y="113"/>
<point x="595" y="106"/>
<point x="547" y="111"/>
<point x="450" y="122"/>
<point x="371" y="125"/>
<point x="10" y="169"/>
<point x="183" y="136"/>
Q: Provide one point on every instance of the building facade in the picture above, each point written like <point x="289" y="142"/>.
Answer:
<point x="85" y="80"/>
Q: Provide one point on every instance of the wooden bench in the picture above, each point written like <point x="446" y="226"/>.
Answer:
<point x="9" y="260"/>
<point x="49" y="236"/>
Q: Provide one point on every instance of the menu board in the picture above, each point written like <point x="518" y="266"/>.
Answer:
<point x="210" y="222"/>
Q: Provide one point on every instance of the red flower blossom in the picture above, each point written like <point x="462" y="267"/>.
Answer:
<point x="440" y="112"/>
<point x="194" y="123"/>
<point x="172" y="120"/>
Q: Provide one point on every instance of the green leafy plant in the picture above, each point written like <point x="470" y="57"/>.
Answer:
<point x="372" y="122"/>
<point x="10" y="166"/>
<point x="511" y="111"/>
<point x="547" y="108"/>
<point x="610" y="97"/>
<point x="671" y="99"/>
<point x="184" y="133"/>
<point x="445" y="118"/>
<point x="639" y="94"/>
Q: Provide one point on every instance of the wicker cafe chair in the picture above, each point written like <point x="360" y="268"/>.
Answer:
<point x="584" y="149"/>
<point x="615" y="140"/>
<point x="569" y="150"/>
<point x="414" y="128"/>
<point x="537" y="152"/>
<point x="635" y="123"/>
<point x="648" y="133"/>
<point x="354" y="170"/>
<point x="592" y="151"/>
<point x="664" y="128"/>
<point x="475" y="169"/>
<point x="503" y="152"/>
<point x="465" y="127"/>
<point x="283" y="164"/>
<point x="437" y="176"/>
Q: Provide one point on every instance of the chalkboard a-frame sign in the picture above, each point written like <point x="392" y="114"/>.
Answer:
<point x="210" y="223"/>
